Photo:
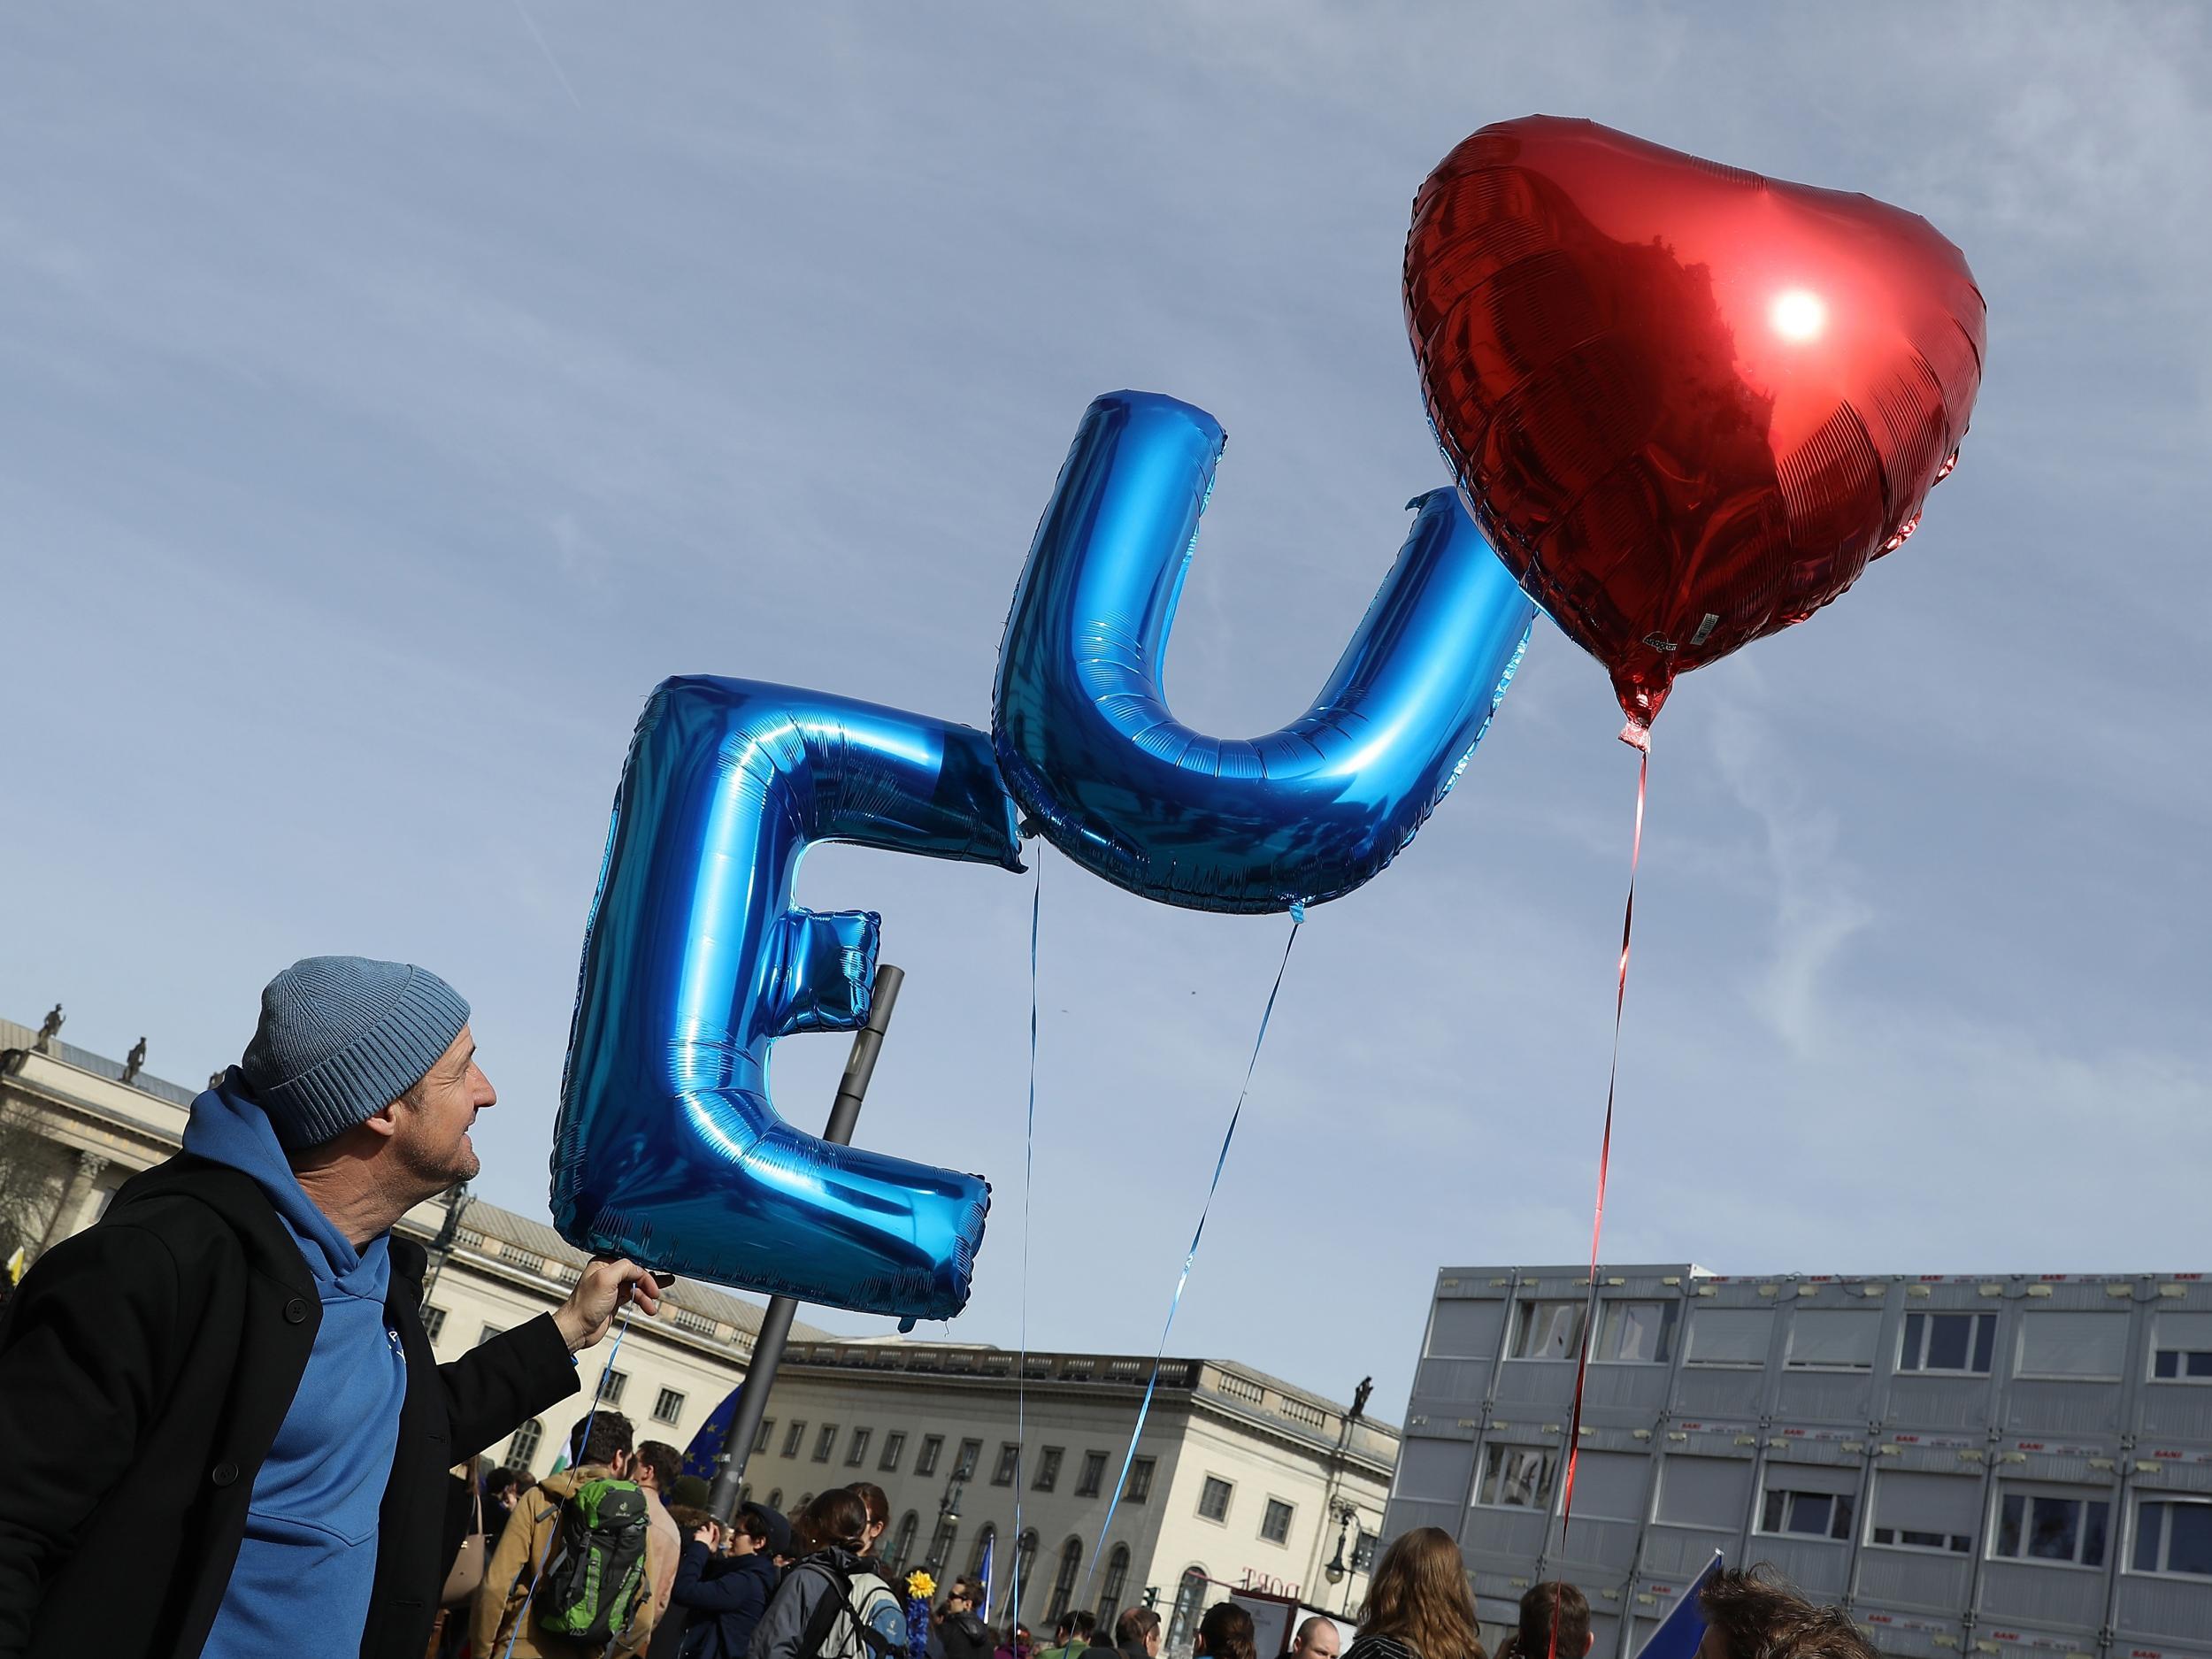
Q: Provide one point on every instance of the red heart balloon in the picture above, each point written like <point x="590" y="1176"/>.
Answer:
<point x="1685" y="403"/>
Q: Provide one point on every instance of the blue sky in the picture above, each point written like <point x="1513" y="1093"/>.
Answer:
<point x="392" y="395"/>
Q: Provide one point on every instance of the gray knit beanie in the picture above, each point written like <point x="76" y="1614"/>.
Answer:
<point x="343" y="1037"/>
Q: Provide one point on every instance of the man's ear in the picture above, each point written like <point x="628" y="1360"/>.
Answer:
<point x="384" y="1121"/>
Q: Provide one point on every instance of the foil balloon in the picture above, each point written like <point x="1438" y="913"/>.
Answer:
<point x="1085" y="740"/>
<point x="668" y="1148"/>
<point x="1687" y="404"/>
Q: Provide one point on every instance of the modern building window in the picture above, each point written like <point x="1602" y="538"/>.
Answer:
<point x="2044" y="1527"/>
<point x="612" y="1383"/>
<point x="1049" y="1475"/>
<point x="1546" y="1330"/>
<point x="1834" y="1339"/>
<point x="1917" y="1510"/>
<point x="1010" y="1457"/>
<point x="1190" y="1599"/>
<point x="1024" y="1569"/>
<point x="1710" y="1493"/>
<point x="794" y="1437"/>
<point x="1806" y="1514"/>
<point x="894" y="1449"/>
<point x="1139" y="1486"/>
<point x="902" y="1541"/>
<point x="1116" y="1580"/>
<point x="1064" y="1579"/>
<point x="1213" y="1498"/>
<point x="1086" y="1484"/>
<point x="522" y="1448"/>
<point x="1962" y="1344"/>
<point x="2077" y="1347"/>
<point x="1611" y="1485"/>
<point x="1730" y="1336"/>
<point x="433" y="1322"/>
<point x="1637" y="1334"/>
<point x="2174" y="1536"/>
<point x="985" y="1542"/>
<point x="925" y="1460"/>
<point x="1516" y="1477"/>
<point x="2181" y="1348"/>
<point x="857" y="1453"/>
<point x="760" y="1440"/>
<point x="971" y="1451"/>
<point x="825" y="1443"/>
<point x="1275" y="1525"/>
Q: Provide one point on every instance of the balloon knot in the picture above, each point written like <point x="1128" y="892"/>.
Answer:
<point x="1637" y="736"/>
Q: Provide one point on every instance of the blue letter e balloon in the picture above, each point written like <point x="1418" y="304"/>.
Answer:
<point x="668" y="1149"/>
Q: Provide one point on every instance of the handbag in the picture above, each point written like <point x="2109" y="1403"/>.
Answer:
<point x="467" y="1571"/>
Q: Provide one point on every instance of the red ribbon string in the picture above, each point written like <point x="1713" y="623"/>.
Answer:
<point x="1605" y="1163"/>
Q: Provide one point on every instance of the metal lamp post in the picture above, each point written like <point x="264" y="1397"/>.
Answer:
<point x="1338" y="1570"/>
<point x="947" y="1509"/>
<point x="457" y="1203"/>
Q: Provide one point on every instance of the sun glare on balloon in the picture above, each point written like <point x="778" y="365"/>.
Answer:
<point x="1797" y="314"/>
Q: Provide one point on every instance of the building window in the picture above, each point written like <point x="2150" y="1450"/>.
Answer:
<point x="825" y="1443"/>
<point x="1093" y="1471"/>
<point x="986" y="1541"/>
<point x="1275" y="1525"/>
<point x="524" y="1447"/>
<point x="1730" y="1336"/>
<point x="2174" y="1537"/>
<point x="1637" y="1334"/>
<point x="971" y="1453"/>
<point x="1547" y="1330"/>
<point x="941" y="1543"/>
<point x="433" y="1322"/>
<point x="1139" y="1486"/>
<point x="1834" y="1339"/>
<point x="1009" y="1459"/>
<point x="775" y="1500"/>
<point x="805" y="1498"/>
<point x="1516" y="1477"/>
<point x="1907" y="1538"/>
<point x="1961" y="1343"/>
<point x="1190" y="1600"/>
<point x="1806" y="1514"/>
<point x="486" y="1334"/>
<point x="1213" y="1500"/>
<point x="902" y="1542"/>
<point x="1025" y="1564"/>
<point x="2042" y="1526"/>
<point x="612" y="1383"/>
<point x="925" y="1460"/>
<point x="669" y="1407"/>
<point x="2181" y="1351"/>
<point x="1064" y="1579"/>
<point x="1116" y="1580"/>
<point x="2077" y="1346"/>
<point x="794" y="1437"/>
<point x="856" y="1454"/>
<point x="894" y="1449"/>
<point x="1915" y="1510"/>
<point x="760" y="1440"/>
<point x="1047" y="1478"/>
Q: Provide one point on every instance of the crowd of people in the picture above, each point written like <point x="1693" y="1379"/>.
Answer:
<point x="257" y="1425"/>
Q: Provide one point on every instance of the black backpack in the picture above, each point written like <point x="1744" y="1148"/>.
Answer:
<point x="592" y="1583"/>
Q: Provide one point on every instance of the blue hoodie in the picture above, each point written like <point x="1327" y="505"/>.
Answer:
<point x="307" y="1566"/>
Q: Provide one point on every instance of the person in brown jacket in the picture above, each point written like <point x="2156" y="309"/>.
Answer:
<point x="528" y="1540"/>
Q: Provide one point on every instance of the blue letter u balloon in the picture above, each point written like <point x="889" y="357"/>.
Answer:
<point x="668" y="1149"/>
<point x="1084" y="736"/>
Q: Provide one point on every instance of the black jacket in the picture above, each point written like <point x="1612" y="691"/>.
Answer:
<point x="725" y="1599"/>
<point x="145" y="1366"/>
<point x="965" y="1637"/>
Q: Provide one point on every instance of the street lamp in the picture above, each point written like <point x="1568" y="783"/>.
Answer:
<point x="457" y="1203"/>
<point x="947" y="1512"/>
<point x="1337" y="1570"/>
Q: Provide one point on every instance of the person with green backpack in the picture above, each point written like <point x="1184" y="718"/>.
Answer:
<point x="573" y="1575"/>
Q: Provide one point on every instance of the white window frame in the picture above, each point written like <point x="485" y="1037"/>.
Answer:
<point x="1228" y="1497"/>
<point x="2031" y="1492"/>
<point x="1689" y="1339"/>
<point x="1614" y="1316"/>
<point x="1501" y="1461"/>
<point x="1525" y="1310"/>
<point x="663" y="1411"/>
<point x="2020" y="1349"/>
<point x="1867" y="1316"/>
<point x="1927" y="1315"/>
<point x="1839" y="1526"/>
<point x="2173" y="1499"/>
<point x="612" y="1383"/>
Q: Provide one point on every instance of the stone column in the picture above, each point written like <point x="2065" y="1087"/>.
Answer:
<point x="75" y="1199"/>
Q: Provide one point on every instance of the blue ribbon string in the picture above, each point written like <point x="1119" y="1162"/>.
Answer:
<point x="1029" y="1159"/>
<point x="582" y="1440"/>
<point x="1152" y="1383"/>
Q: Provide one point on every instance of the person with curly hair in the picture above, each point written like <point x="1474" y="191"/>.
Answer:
<point x="1418" y="1605"/>
<point x="1756" y="1615"/>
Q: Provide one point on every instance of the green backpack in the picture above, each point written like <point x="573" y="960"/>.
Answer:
<point x="592" y="1585"/>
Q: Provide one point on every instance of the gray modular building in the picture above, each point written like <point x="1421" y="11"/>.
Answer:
<point x="2006" y="1464"/>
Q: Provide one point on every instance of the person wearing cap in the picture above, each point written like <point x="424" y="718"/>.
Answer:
<point x="223" y="1430"/>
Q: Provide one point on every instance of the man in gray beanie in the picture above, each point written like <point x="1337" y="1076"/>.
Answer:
<point x="222" y="1428"/>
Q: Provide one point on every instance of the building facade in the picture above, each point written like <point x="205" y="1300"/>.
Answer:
<point x="1996" y="1464"/>
<point x="1240" y="1481"/>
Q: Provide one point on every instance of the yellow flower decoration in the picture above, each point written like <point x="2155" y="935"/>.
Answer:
<point x="920" y="1585"/>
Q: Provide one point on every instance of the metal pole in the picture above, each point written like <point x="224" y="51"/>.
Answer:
<point x="775" y="1324"/>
